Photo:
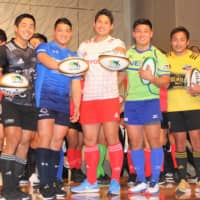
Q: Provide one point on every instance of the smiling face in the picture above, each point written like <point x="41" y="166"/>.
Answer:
<point x="102" y="26"/>
<point x="62" y="34"/>
<point x="179" y="43"/>
<point x="25" y="29"/>
<point x="142" y="35"/>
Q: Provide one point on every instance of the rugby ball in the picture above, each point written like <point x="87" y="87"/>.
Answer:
<point x="114" y="61"/>
<point x="73" y="66"/>
<point x="13" y="84"/>
<point x="192" y="77"/>
<point x="149" y="62"/>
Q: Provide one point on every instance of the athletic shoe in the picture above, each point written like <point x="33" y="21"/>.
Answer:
<point x="23" y="181"/>
<point x="197" y="188"/>
<point x="34" y="180"/>
<point x="47" y="193"/>
<point x="59" y="190"/>
<point x="162" y="179"/>
<point x="138" y="187"/>
<point x="114" y="188"/>
<point x="82" y="196"/>
<point x="85" y="187"/>
<point x="15" y="195"/>
<point x="131" y="179"/>
<point x="153" y="188"/>
<point x="103" y="180"/>
<point x="183" y="188"/>
<point x="77" y="175"/>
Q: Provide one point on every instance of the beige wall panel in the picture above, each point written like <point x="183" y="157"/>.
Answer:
<point x="188" y="15"/>
<point x="98" y="4"/>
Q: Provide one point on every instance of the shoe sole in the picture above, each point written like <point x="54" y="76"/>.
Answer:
<point x="47" y="198"/>
<point x="85" y="191"/>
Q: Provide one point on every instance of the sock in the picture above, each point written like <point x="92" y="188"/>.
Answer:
<point x="173" y="155"/>
<point x="138" y="160"/>
<point x="71" y="156"/>
<point x="54" y="164"/>
<point x="78" y="154"/>
<point x="130" y="163"/>
<point x="61" y="164"/>
<point x="31" y="163"/>
<point x="181" y="158"/>
<point x="196" y="157"/>
<point x="156" y="163"/>
<point x="116" y="160"/>
<point x="19" y="168"/>
<point x="91" y="161"/>
<point x="42" y="160"/>
<point x="147" y="166"/>
<point x="102" y="151"/>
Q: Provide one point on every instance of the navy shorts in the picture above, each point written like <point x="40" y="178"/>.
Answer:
<point x="142" y="112"/>
<point x="60" y="118"/>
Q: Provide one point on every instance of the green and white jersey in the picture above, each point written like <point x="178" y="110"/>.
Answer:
<point x="137" y="90"/>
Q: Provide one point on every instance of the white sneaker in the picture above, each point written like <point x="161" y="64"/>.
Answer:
<point x="34" y="179"/>
<point x="153" y="188"/>
<point x="138" y="187"/>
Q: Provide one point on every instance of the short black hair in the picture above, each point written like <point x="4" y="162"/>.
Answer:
<point x="105" y="12"/>
<point x="22" y="16"/>
<point x="3" y="36"/>
<point x="40" y="36"/>
<point x="63" y="20"/>
<point x="141" y="21"/>
<point x="180" y="29"/>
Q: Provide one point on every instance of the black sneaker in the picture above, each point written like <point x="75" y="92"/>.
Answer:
<point x="76" y="176"/>
<point x="162" y="179"/>
<point x="131" y="179"/>
<point x="103" y="180"/>
<point x="58" y="190"/>
<point x="15" y="195"/>
<point x="47" y="193"/>
<point x="23" y="181"/>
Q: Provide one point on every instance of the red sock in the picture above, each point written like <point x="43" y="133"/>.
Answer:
<point x="71" y="157"/>
<point x="116" y="160"/>
<point x="78" y="158"/>
<point x="91" y="161"/>
<point x="130" y="163"/>
<point x="173" y="155"/>
<point x="147" y="154"/>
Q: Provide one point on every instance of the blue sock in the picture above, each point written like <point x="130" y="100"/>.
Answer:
<point x="54" y="164"/>
<point x="61" y="164"/>
<point x="42" y="156"/>
<point x="138" y="158"/>
<point x="156" y="163"/>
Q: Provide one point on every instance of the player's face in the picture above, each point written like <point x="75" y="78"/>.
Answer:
<point x="35" y="42"/>
<point x="102" y="26"/>
<point x="25" y="29"/>
<point x="179" y="43"/>
<point x="62" y="34"/>
<point x="142" y="35"/>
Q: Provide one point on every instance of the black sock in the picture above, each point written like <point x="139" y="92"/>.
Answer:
<point x="181" y="158"/>
<point x="196" y="158"/>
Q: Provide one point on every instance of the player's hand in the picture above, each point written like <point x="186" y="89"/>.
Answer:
<point x="75" y="117"/>
<point x="194" y="89"/>
<point x="146" y="74"/>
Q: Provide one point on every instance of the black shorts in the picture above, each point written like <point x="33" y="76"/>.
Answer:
<point x="76" y="126"/>
<point x="60" y="118"/>
<point x="164" y="121"/>
<point x="184" y="120"/>
<point x="19" y="115"/>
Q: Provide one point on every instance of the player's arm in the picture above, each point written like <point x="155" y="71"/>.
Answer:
<point x="161" y="82"/>
<point x="48" y="61"/>
<point x="76" y="98"/>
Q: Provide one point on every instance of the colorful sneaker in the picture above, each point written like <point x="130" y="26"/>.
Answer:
<point x="138" y="187"/>
<point x="197" y="188"/>
<point x="85" y="187"/>
<point x="162" y="179"/>
<point x="114" y="188"/>
<point x="153" y="188"/>
<point x="183" y="188"/>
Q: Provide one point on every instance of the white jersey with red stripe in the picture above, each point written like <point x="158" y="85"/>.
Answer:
<point x="99" y="83"/>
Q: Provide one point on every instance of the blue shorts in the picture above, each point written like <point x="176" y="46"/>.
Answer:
<point x="60" y="118"/>
<point x="142" y="112"/>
